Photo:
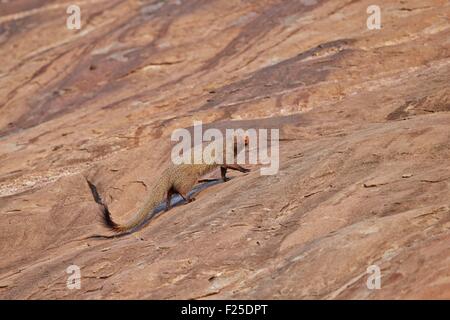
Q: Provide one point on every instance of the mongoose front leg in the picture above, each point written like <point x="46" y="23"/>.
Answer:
<point x="223" y="172"/>
<point x="235" y="167"/>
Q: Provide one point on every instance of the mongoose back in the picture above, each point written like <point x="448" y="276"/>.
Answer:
<point x="176" y="179"/>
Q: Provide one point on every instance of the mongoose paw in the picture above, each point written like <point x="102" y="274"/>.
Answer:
<point x="191" y="200"/>
<point x="225" y="179"/>
<point x="246" y="170"/>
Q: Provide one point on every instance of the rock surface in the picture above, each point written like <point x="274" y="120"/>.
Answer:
<point x="364" y="119"/>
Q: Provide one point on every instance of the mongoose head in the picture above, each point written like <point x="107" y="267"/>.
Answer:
<point x="236" y="142"/>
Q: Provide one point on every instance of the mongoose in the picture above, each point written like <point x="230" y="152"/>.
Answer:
<point x="176" y="179"/>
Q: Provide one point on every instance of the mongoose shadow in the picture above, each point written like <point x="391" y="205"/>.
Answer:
<point x="177" y="200"/>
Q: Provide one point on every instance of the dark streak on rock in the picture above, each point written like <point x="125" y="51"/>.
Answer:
<point x="288" y="74"/>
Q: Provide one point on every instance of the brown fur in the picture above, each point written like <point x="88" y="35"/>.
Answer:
<point x="176" y="179"/>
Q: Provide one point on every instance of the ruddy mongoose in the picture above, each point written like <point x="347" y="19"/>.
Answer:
<point x="176" y="179"/>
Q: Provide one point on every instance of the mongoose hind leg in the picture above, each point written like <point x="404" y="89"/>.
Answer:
<point x="186" y="198"/>
<point x="185" y="184"/>
<point x="170" y="192"/>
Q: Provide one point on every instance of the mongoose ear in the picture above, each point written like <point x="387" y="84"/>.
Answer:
<point x="245" y="138"/>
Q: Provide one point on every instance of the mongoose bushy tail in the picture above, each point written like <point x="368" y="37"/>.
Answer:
<point x="158" y="194"/>
<point x="176" y="179"/>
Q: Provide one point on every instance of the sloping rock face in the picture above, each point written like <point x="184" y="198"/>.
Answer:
<point x="364" y="126"/>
